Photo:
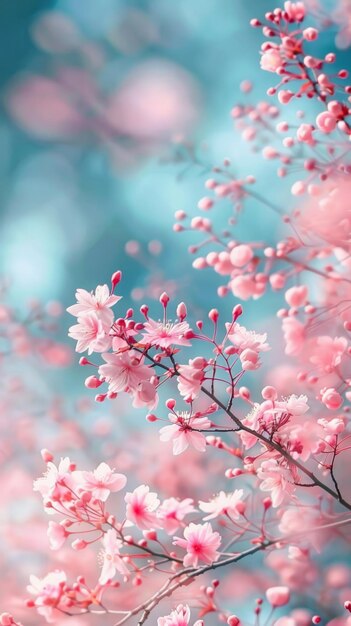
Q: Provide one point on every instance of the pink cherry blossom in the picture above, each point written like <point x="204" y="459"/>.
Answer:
<point x="146" y="395"/>
<point x="141" y="507"/>
<point x="125" y="371"/>
<point x="326" y="122"/>
<point x="172" y="512"/>
<point x="241" y="255"/>
<point x="271" y="60"/>
<point x="184" y="432"/>
<point x="112" y="560"/>
<point x="90" y="333"/>
<point x="48" y="592"/>
<point x="102" y="481"/>
<point x="297" y="405"/>
<point x="165" y="334"/>
<point x="178" y="617"/>
<point x="296" y="296"/>
<point x="328" y="352"/>
<point x="295" y="10"/>
<point x="244" y="339"/>
<point x="200" y="543"/>
<point x="57" y="535"/>
<point x="54" y="476"/>
<point x="191" y="377"/>
<point x="276" y="479"/>
<point x="99" y="302"/>
<point x="223" y="504"/>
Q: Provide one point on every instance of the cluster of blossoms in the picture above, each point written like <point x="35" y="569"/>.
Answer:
<point x="284" y="450"/>
<point x="145" y="539"/>
<point x="144" y="356"/>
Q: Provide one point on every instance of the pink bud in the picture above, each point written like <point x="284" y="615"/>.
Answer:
<point x="100" y="397"/>
<point x="79" y="544"/>
<point x="151" y="417"/>
<point x="304" y="134"/>
<point x="213" y="315"/>
<point x="310" y="34"/>
<point x="84" y="361"/>
<point x="269" y="393"/>
<point x="277" y="281"/>
<point x="46" y="455"/>
<point x="181" y="311"/>
<point x="164" y="299"/>
<point x="241" y="255"/>
<point x="298" y="188"/>
<point x="6" y="619"/>
<point x="237" y="311"/>
<point x="296" y="296"/>
<point x="205" y="204"/>
<point x="199" y="263"/>
<point x="150" y="535"/>
<point x="233" y="620"/>
<point x="332" y="399"/>
<point x="241" y="507"/>
<point x="199" y="362"/>
<point x="92" y="382"/>
<point x="267" y="503"/>
<point x="284" y="96"/>
<point x="170" y="404"/>
<point x="244" y="393"/>
<point x="278" y="596"/>
<point x="326" y="122"/>
<point x="249" y="359"/>
<point x="115" y="279"/>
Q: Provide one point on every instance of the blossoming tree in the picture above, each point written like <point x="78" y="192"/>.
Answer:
<point x="276" y="461"/>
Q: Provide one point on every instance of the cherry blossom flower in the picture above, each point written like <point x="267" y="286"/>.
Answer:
<point x="223" y="504"/>
<point x="273" y="417"/>
<point x="242" y="338"/>
<point x="296" y="521"/>
<point x="90" y="334"/>
<point x="146" y="395"/>
<point x="112" y="560"/>
<point x="276" y="479"/>
<point x="200" y="543"/>
<point x="57" y="535"/>
<point x="305" y="439"/>
<point x="191" y="377"/>
<point x="141" y="507"/>
<point x="182" y="432"/>
<point x="178" y="617"/>
<point x="51" y="482"/>
<point x="48" y="592"/>
<point x="271" y="60"/>
<point x="102" y="481"/>
<point x="297" y="405"/>
<point x="295" y="10"/>
<point x="172" y="512"/>
<point x="125" y="371"/>
<point x="327" y="352"/>
<point x="278" y="596"/>
<point x="165" y="334"/>
<point x="99" y="302"/>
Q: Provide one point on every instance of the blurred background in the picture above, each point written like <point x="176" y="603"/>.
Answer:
<point x="96" y="97"/>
